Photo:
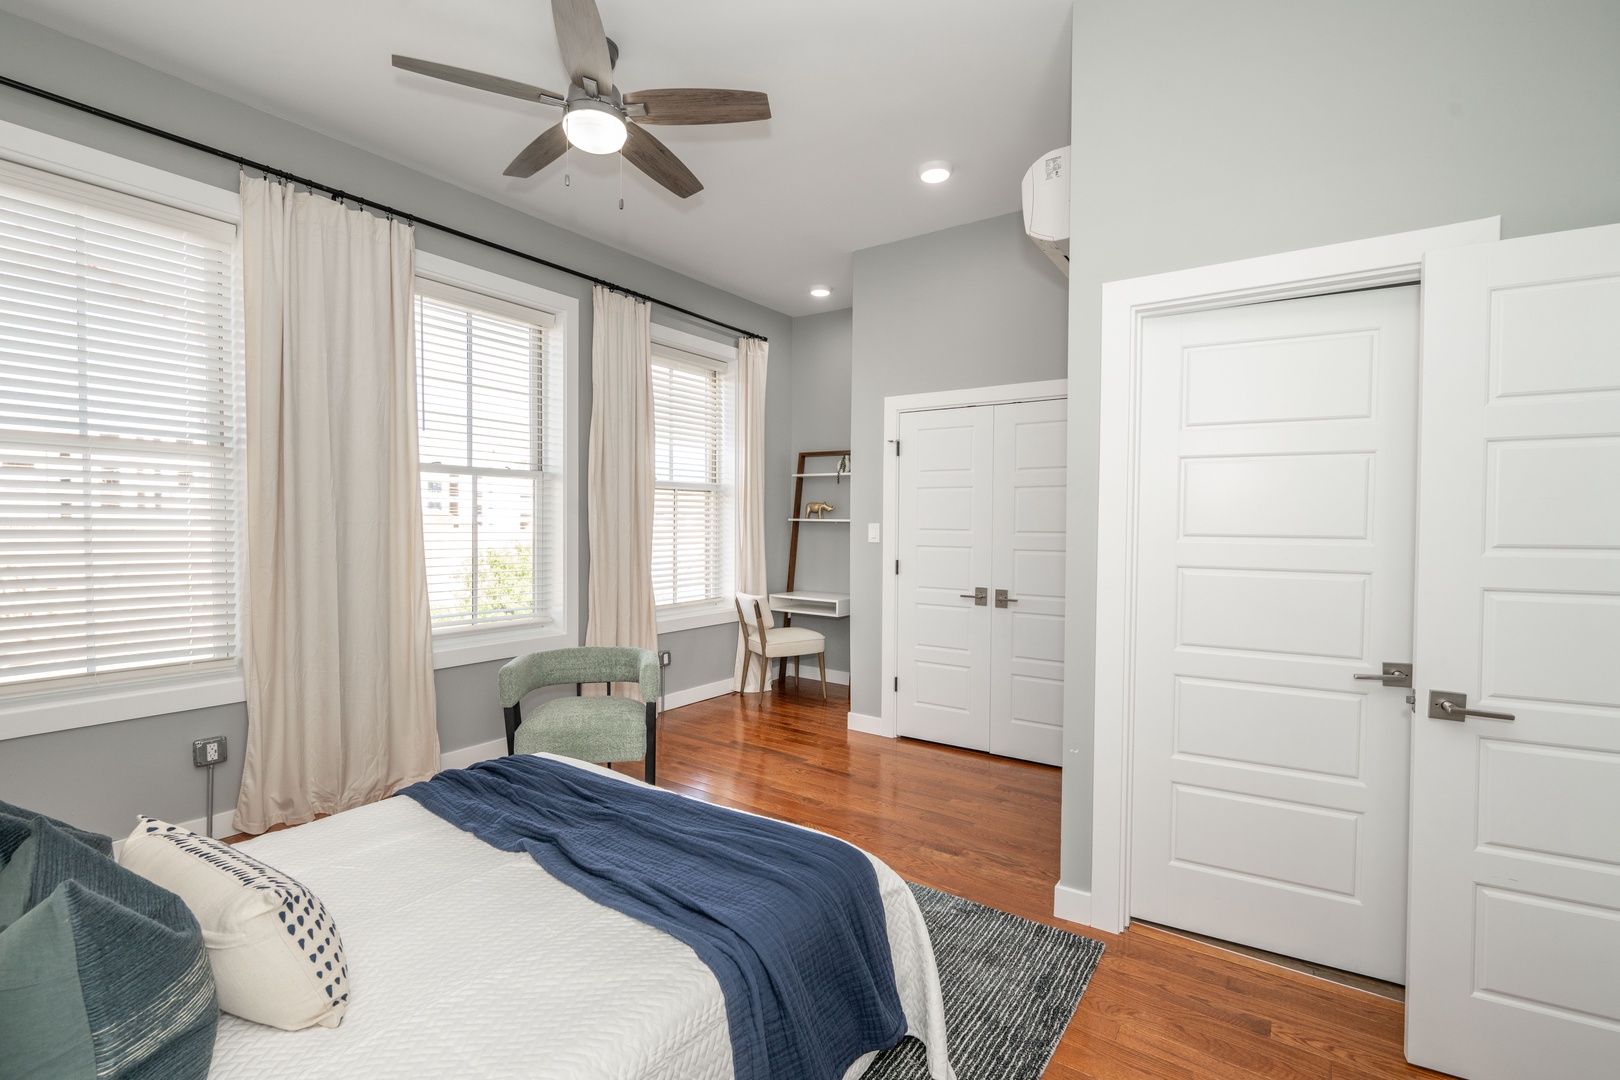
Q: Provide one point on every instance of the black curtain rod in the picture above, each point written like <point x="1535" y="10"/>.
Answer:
<point x="346" y="196"/>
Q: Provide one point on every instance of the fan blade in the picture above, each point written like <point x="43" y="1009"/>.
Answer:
<point x="550" y="146"/>
<point x="700" y="106"/>
<point x="478" y="80"/>
<point x="583" y="43"/>
<point x="655" y="159"/>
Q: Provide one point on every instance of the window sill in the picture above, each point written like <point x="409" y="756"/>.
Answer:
<point x="690" y="617"/>
<point x="117" y="699"/>
<point x="481" y="646"/>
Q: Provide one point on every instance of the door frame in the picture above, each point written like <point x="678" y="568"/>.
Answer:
<point x="1008" y="394"/>
<point x="1358" y="264"/>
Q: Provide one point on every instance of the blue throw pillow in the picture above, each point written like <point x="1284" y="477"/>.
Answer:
<point x="16" y="823"/>
<point x="104" y="974"/>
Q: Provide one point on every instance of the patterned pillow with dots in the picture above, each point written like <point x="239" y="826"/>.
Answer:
<point x="275" y="951"/>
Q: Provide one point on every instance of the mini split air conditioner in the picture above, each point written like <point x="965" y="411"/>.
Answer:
<point x="1046" y="206"/>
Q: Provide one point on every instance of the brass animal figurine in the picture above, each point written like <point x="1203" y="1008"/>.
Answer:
<point x="818" y="508"/>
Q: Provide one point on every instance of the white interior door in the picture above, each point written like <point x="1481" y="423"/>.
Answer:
<point x="1026" y="626"/>
<point x="1515" y="909"/>
<point x="945" y="515"/>
<point x="1274" y="567"/>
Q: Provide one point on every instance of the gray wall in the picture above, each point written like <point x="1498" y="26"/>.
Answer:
<point x="100" y="776"/>
<point x="977" y="305"/>
<point x="1209" y="132"/>
<point x="821" y="359"/>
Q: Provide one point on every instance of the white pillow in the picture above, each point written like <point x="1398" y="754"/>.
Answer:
<point x="275" y="951"/>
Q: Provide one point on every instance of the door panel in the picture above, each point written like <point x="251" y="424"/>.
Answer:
<point x="1515" y="902"/>
<point x="1026" y="658"/>
<point x="982" y="496"/>
<point x="945" y="535"/>
<point x="1277" y="461"/>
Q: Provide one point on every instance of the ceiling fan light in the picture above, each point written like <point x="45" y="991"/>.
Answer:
<point x="594" y="126"/>
<point x="934" y="172"/>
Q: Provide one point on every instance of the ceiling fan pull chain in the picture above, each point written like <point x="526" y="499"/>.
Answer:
<point x="621" y="181"/>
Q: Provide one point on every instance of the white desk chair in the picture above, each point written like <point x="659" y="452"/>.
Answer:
<point x="770" y="642"/>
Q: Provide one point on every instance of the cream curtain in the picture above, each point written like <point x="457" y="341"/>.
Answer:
<point x="751" y="576"/>
<point x="620" y="505"/>
<point x="338" y="645"/>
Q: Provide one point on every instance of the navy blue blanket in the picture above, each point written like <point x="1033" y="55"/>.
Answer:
<point x="790" y="921"/>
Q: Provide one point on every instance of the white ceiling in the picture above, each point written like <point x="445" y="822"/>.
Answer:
<point x="862" y="92"/>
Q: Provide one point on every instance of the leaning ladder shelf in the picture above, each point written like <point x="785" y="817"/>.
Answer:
<point x="797" y="518"/>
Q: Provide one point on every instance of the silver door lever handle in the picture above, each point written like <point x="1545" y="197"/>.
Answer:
<point x="1445" y="705"/>
<point x="978" y="596"/>
<point x="1395" y="673"/>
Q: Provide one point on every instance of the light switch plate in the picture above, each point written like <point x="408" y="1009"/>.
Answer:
<point x="872" y="532"/>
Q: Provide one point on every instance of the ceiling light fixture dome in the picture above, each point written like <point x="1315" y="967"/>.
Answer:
<point x="820" y="292"/>
<point x="594" y="126"/>
<point x="934" y="172"/>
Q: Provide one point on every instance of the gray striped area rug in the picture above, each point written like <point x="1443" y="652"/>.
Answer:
<point x="1010" y="985"/>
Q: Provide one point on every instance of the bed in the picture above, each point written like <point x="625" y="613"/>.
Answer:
<point x="473" y="962"/>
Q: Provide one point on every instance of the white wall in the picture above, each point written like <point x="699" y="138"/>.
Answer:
<point x="977" y="305"/>
<point x="1209" y="132"/>
<point x="821" y="360"/>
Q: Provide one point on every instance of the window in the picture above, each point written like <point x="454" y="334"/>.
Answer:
<point x="692" y="478"/>
<point x="490" y="435"/>
<point x="119" y="423"/>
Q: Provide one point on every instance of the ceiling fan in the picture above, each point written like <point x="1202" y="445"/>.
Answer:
<point x="597" y="118"/>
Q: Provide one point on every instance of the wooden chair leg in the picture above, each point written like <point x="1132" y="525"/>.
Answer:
<point x="821" y="660"/>
<point x="650" y="768"/>
<point x="514" y="720"/>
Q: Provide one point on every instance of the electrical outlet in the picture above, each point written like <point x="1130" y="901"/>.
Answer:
<point x="209" y="751"/>
<point x="663" y="658"/>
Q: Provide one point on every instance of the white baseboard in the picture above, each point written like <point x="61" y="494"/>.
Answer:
<point x="471" y="755"/>
<point x="1071" y="904"/>
<point x="872" y="725"/>
<point x="694" y="694"/>
<point x="224" y="820"/>
<point x="223" y="826"/>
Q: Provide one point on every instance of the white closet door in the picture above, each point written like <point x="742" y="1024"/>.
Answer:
<point x="946" y="495"/>
<point x="1515" y="913"/>
<point x="1026" y="636"/>
<point x="1274" y="566"/>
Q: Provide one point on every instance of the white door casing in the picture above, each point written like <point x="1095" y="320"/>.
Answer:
<point x="1514" y="963"/>
<point x="945" y="496"/>
<point x="1126" y="307"/>
<point x="1275" y="565"/>
<point x="894" y="409"/>
<point x="1027" y="553"/>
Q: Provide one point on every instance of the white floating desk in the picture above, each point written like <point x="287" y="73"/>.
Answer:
<point x="830" y="605"/>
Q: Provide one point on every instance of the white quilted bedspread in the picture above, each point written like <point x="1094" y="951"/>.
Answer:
<point x="466" y="961"/>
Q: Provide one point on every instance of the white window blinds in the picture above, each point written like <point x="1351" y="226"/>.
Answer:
<point x="491" y="459"/>
<point x="118" y="434"/>
<point x="691" y="479"/>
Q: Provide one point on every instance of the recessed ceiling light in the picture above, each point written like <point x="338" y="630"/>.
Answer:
<point x="820" y="291"/>
<point x="934" y="172"/>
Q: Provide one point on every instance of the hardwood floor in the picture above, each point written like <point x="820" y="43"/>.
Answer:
<point x="1160" y="1007"/>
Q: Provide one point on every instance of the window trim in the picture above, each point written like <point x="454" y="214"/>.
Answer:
<point x="462" y="646"/>
<point x="131" y="695"/>
<point x="691" y="616"/>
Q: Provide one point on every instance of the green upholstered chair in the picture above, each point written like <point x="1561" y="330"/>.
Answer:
<point x="589" y="728"/>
